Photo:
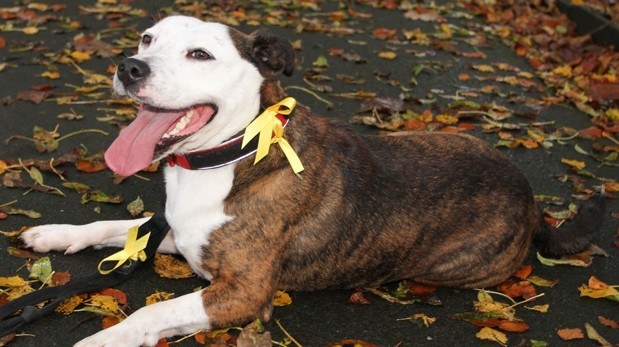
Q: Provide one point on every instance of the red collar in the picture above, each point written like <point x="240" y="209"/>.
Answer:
<point x="226" y="153"/>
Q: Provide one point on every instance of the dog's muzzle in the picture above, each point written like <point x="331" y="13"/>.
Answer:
<point x="131" y="71"/>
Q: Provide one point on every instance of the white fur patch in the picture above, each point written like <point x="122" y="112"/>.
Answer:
<point x="73" y="238"/>
<point x="183" y="315"/>
<point x="195" y="207"/>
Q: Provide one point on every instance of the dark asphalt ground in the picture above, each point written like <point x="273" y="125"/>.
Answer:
<point x="316" y="318"/>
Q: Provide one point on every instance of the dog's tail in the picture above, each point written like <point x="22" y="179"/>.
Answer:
<point x="576" y="236"/>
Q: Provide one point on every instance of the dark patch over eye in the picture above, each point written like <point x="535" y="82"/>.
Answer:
<point x="147" y="39"/>
<point x="200" y="54"/>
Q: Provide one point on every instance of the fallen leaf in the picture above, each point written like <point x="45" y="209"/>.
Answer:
<point x="492" y="335"/>
<point x="539" y="308"/>
<point x="608" y="322"/>
<point x="357" y="298"/>
<point x="135" y="207"/>
<point x="41" y="270"/>
<point x="80" y="56"/>
<point x="158" y="297"/>
<point x="253" y="335"/>
<point x="60" y="278"/>
<point x="592" y="334"/>
<point x="570" y="334"/>
<point x="118" y="295"/>
<point x="541" y="282"/>
<point x="595" y="283"/>
<point x="426" y="320"/>
<point x="517" y="289"/>
<point x="524" y="272"/>
<point x="162" y="343"/>
<point x="109" y="321"/>
<point x="281" y="298"/>
<point x="421" y="288"/>
<point x="168" y="266"/>
<point x="563" y="261"/>
<point x="387" y="55"/>
<point x="107" y="304"/>
<point x="513" y="327"/>
<point x="574" y="163"/>
<point x="12" y="282"/>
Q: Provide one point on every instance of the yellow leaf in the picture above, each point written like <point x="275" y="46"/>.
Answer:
<point x="30" y="30"/>
<point x="574" y="163"/>
<point x="52" y="75"/>
<point x="19" y="291"/>
<point x="539" y="308"/>
<point x="38" y="6"/>
<point x="492" y="335"/>
<point x="577" y="2"/>
<point x="80" y="56"/>
<point x="446" y="119"/>
<point x="593" y="335"/>
<point x="447" y="30"/>
<point x="67" y="306"/>
<point x="611" y="186"/>
<point x="2" y="167"/>
<point x="426" y="320"/>
<point x="13" y="282"/>
<point x="158" y="297"/>
<point x="104" y="302"/>
<point x="167" y="266"/>
<point x="387" y="55"/>
<point x="585" y="290"/>
<point x="484" y="68"/>
<point x="281" y="299"/>
<point x="565" y="71"/>
<point x="613" y="114"/>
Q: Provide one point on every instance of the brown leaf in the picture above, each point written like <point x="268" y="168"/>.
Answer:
<point x="384" y="34"/>
<point x="513" y="327"/>
<point x="90" y="165"/>
<point x="523" y="272"/>
<point x="109" y="321"/>
<point x="570" y="334"/>
<point x="162" y="343"/>
<point x="608" y="322"/>
<point x="60" y="278"/>
<point x="357" y="298"/>
<point x="121" y="297"/>
<point x="604" y="90"/>
<point x="22" y="253"/>
<point x="517" y="289"/>
<point x="595" y="283"/>
<point x="421" y="288"/>
<point x="34" y="96"/>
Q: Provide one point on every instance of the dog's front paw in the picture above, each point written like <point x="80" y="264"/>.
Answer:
<point x="54" y="237"/>
<point x="120" y="335"/>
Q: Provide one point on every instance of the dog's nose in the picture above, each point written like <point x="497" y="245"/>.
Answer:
<point x="132" y="70"/>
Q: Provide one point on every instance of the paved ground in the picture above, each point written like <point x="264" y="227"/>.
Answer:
<point x="313" y="318"/>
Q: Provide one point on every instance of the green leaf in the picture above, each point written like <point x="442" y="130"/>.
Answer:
<point x="136" y="207"/>
<point x="28" y="213"/>
<point x="562" y="261"/>
<point x="321" y="61"/>
<point x="36" y="175"/>
<point x="41" y="270"/>
<point x="538" y="281"/>
<point x="79" y="187"/>
<point x="99" y="196"/>
<point x="538" y="343"/>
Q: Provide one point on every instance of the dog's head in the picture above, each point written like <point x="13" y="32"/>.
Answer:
<point x="198" y="82"/>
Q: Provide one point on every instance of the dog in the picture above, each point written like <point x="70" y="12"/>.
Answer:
<point x="431" y="207"/>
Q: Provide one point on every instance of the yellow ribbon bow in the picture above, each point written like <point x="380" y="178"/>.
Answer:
<point x="134" y="250"/>
<point x="271" y="131"/>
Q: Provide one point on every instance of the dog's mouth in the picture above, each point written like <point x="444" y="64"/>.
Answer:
<point x="152" y="133"/>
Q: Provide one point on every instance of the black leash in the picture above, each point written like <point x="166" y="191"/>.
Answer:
<point x="158" y="228"/>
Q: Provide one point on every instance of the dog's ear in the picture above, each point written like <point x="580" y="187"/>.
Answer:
<point x="272" y="54"/>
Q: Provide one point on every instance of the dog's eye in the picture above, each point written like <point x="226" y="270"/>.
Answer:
<point x="147" y="39"/>
<point x="200" y="54"/>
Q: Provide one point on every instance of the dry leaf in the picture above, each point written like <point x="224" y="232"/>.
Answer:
<point x="594" y="335"/>
<point x="109" y="321"/>
<point x="513" y="327"/>
<point x="575" y="163"/>
<point x="67" y="306"/>
<point x="524" y="272"/>
<point x="357" y="298"/>
<point x="570" y="334"/>
<point x="539" y="308"/>
<point x="80" y="56"/>
<point x="158" y="297"/>
<point x="492" y="335"/>
<point x="281" y="299"/>
<point x="608" y="322"/>
<point x="168" y="266"/>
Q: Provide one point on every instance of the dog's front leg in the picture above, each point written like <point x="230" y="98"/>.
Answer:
<point x="219" y="305"/>
<point x="146" y="326"/>
<point x="73" y="238"/>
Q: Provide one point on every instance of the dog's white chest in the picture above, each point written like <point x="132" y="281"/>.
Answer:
<point x="195" y="207"/>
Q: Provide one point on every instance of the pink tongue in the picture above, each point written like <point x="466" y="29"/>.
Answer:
<point x="134" y="148"/>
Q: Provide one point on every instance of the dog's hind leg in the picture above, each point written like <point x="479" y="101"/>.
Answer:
<point x="73" y="238"/>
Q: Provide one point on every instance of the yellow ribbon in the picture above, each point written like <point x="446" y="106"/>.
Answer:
<point x="134" y="250"/>
<point x="271" y="131"/>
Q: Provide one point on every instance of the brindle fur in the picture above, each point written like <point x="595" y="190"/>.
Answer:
<point x="438" y="208"/>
